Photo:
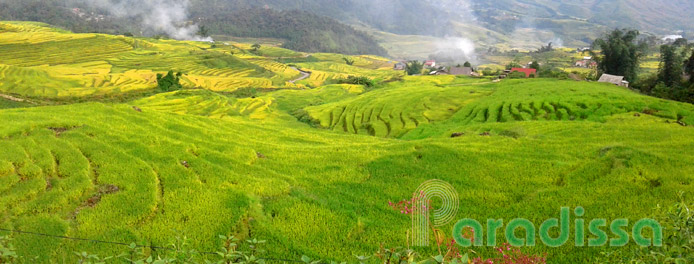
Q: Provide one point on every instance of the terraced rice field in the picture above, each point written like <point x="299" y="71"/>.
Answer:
<point x="398" y="108"/>
<point x="40" y="61"/>
<point x="312" y="170"/>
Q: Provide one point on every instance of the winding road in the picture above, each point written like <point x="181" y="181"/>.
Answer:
<point x="304" y="75"/>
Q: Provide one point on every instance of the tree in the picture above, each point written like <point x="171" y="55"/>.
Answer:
<point x="535" y="65"/>
<point x="547" y="48"/>
<point x="680" y="42"/>
<point x="170" y="82"/>
<point x="414" y="67"/>
<point x="689" y="68"/>
<point x="513" y="64"/>
<point x="203" y="31"/>
<point x="619" y="53"/>
<point x="348" y="61"/>
<point x="467" y="64"/>
<point x="670" y="72"/>
<point x="255" y="47"/>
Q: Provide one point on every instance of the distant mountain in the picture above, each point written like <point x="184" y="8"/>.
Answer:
<point x="311" y="25"/>
<point x="576" y="20"/>
<point x="300" y="30"/>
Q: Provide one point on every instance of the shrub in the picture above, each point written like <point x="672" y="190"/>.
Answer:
<point x="361" y="80"/>
<point x="348" y="61"/>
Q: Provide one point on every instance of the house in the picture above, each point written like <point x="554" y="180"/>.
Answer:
<point x="614" y="79"/>
<point x="430" y="64"/>
<point x="400" y="66"/>
<point x="461" y="71"/>
<point x="586" y="63"/>
<point x="504" y="74"/>
<point x="671" y="38"/>
<point x="528" y="72"/>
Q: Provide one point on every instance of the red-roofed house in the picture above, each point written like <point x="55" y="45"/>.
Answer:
<point x="527" y="72"/>
<point x="430" y="63"/>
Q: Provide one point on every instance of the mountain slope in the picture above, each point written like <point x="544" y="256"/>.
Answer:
<point x="302" y="31"/>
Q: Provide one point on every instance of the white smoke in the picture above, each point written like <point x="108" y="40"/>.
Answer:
<point x="455" y="50"/>
<point x="169" y="17"/>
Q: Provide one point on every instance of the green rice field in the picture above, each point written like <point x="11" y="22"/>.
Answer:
<point x="310" y="167"/>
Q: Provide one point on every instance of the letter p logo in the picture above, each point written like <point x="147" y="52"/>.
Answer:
<point x="422" y="211"/>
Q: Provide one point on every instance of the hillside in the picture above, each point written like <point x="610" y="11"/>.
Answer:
<point x="314" y="25"/>
<point x="299" y="30"/>
<point x="64" y="65"/>
<point x="97" y="152"/>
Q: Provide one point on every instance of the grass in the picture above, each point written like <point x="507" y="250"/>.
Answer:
<point x="312" y="170"/>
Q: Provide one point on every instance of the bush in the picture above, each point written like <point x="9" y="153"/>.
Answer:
<point x="170" y="82"/>
<point x="361" y="80"/>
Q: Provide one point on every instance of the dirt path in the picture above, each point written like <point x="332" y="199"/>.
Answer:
<point x="16" y="99"/>
<point x="304" y="75"/>
<point x="11" y="98"/>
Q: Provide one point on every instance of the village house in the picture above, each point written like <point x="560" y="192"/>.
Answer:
<point x="528" y="72"/>
<point x="504" y="74"/>
<point x="586" y="62"/>
<point x="430" y="63"/>
<point x="468" y="71"/>
<point x="400" y="66"/>
<point x="465" y="71"/>
<point x="614" y="79"/>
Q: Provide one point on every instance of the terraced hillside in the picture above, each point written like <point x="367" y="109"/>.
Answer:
<point x="40" y="61"/>
<point x="312" y="170"/>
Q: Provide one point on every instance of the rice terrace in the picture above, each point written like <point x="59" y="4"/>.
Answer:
<point x="275" y="131"/>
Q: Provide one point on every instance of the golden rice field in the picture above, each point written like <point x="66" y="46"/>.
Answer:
<point x="39" y="61"/>
<point x="309" y="170"/>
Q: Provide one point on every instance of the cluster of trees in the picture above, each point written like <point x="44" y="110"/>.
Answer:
<point x="620" y="53"/>
<point x="674" y="79"/>
<point x="414" y="67"/>
<point x="547" y="48"/>
<point x="169" y="82"/>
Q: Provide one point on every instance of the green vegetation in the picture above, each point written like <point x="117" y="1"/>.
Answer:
<point x="302" y="31"/>
<point x="678" y="222"/>
<point x="619" y="53"/>
<point x="309" y="167"/>
<point x="170" y="82"/>
<point x="414" y="68"/>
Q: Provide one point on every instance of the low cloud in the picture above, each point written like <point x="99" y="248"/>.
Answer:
<point x="169" y="17"/>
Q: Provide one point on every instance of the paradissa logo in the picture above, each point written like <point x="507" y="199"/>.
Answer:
<point x="553" y="232"/>
<point x="595" y="227"/>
